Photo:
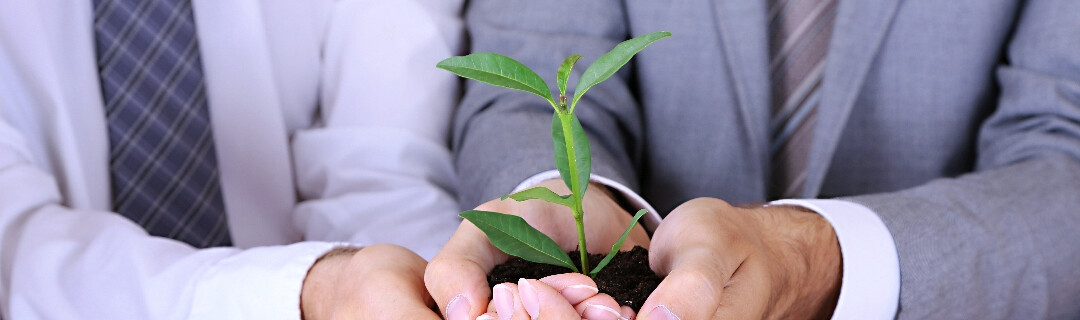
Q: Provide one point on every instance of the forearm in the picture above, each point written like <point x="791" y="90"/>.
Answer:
<point x="59" y="261"/>
<point x="987" y="243"/>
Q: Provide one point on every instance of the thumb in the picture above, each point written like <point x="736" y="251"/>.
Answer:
<point x="457" y="276"/>
<point x="684" y="294"/>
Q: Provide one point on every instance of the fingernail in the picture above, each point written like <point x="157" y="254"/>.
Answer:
<point x="529" y="298"/>
<point x="485" y="317"/>
<point x="458" y="308"/>
<point x="600" y="312"/>
<point x="661" y="312"/>
<point x="504" y="301"/>
<point x="579" y="291"/>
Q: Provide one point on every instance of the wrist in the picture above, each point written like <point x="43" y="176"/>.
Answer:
<point x="807" y="242"/>
<point x="320" y="280"/>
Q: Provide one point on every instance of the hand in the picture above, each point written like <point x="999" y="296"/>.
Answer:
<point x="457" y="276"/>
<point x="384" y="281"/>
<point x="723" y="262"/>
<point x="561" y="296"/>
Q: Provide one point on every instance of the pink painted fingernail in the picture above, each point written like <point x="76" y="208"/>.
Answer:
<point x="503" y="297"/>
<point x="661" y="312"/>
<point x="600" y="312"/>
<point x="458" y="308"/>
<point x="485" y="317"/>
<point x="579" y="292"/>
<point x="529" y="298"/>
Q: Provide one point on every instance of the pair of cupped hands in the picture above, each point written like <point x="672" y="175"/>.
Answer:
<point x="718" y="262"/>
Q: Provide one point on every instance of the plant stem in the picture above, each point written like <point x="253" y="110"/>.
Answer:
<point x="575" y="187"/>
<point x="582" y="251"/>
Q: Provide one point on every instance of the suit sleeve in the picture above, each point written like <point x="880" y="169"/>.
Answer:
<point x="378" y="168"/>
<point x="501" y="137"/>
<point x="1002" y="242"/>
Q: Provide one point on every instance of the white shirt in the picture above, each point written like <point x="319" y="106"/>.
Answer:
<point x="870" y="288"/>
<point x="330" y="123"/>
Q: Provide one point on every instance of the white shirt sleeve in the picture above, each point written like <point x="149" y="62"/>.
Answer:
<point x="650" y="221"/>
<point x="62" y="263"/>
<point x="378" y="168"/>
<point x="870" y="288"/>
<point x="224" y="290"/>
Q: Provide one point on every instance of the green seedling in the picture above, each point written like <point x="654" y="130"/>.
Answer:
<point x="512" y="234"/>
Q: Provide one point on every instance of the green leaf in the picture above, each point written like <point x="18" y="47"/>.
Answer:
<point x="498" y="70"/>
<point x="541" y="193"/>
<point x="564" y="72"/>
<point x="513" y="235"/>
<point x="615" y="247"/>
<point x="610" y="62"/>
<point x="582" y="157"/>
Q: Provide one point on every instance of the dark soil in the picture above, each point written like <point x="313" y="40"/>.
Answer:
<point x="627" y="278"/>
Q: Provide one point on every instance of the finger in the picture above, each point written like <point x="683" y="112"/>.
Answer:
<point x="575" y="287"/>
<point x="599" y="307"/>
<point x="627" y="312"/>
<point x="692" y="290"/>
<point x="541" y="301"/>
<point x="457" y="276"/>
<point x="504" y="297"/>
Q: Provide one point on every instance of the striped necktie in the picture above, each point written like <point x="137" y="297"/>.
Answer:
<point x="162" y="161"/>
<point x="799" y="38"/>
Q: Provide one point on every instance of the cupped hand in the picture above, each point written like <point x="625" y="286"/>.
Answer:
<point x="562" y="296"/>
<point x="377" y="282"/>
<point x="723" y="262"/>
<point x="457" y="276"/>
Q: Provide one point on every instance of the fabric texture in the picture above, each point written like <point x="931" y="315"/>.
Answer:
<point x="957" y="123"/>
<point x="285" y="81"/>
<point x="163" y="165"/>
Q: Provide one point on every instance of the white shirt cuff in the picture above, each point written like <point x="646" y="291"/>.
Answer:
<point x="650" y="221"/>
<point x="257" y="283"/>
<point x="870" y="288"/>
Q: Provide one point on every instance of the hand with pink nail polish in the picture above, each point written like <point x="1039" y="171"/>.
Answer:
<point x="723" y="262"/>
<point x="556" y="297"/>
<point x="457" y="276"/>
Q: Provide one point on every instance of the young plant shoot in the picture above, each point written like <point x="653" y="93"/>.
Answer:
<point x="510" y="233"/>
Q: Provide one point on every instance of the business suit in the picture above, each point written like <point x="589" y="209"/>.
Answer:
<point x="957" y="122"/>
<point x="325" y="131"/>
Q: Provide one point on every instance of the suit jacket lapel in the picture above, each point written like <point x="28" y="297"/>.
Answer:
<point x="743" y="32"/>
<point x="249" y="128"/>
<point x="858" y="32"/>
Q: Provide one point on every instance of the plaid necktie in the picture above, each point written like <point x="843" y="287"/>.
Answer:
<point x="799" y="38"/>
<point x="162" y="161"/>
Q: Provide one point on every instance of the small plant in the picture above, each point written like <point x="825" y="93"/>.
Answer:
<point x="512" y="234"/>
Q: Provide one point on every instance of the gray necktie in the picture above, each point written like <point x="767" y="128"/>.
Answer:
<point x="162" y="160"/>
<point x="799" y="38"/>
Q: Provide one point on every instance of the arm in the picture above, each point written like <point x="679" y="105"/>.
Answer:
<point x="63" y="263"/>
<point x="378" y="168"/>
<point x="1002" y="240"/>
<point x="997" y="243"/>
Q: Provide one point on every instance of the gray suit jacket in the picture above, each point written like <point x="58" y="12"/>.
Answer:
<point x="957" y="122"/>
